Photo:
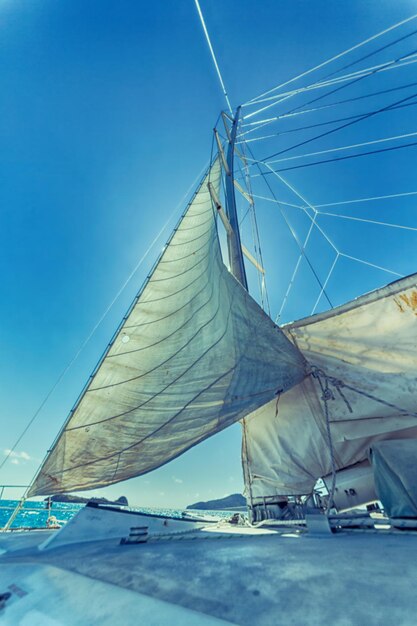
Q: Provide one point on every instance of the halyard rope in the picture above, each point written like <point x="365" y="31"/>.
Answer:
<point x="326" y="395"/>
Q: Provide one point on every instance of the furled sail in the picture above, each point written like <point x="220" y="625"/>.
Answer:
<point x="195" y="354"/>
<point x="363" y="360"/>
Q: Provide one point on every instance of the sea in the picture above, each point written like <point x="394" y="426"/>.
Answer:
<point x="36" y="514"/>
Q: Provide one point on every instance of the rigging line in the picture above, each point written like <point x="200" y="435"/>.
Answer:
<point x="256" y="242"/>
<point x="213" y="56"/>
<point x="294" y="274"/>
<point x="252" y="130"/>
<point x="368" y="221"/>
<point x="306" y="202"/>
<point x="370" y="54"/>
<point x="369" y="199"/>
<point x="291" y="283"/>
<point x="374" y="417"/>
<point x="325" y="235"/>
<point x="349" y="147"/>
<point x="346" y="66"/>
<point x="356" y="77"/>
<point x="264" y="290"/>
<point x="326" y="395"/>
<point x="344" y="158"/>
<point x="336" y="81"/>
<point x="333" y="130"/>
<point x="348" y="100"/>
<point x="325" y="284"/>
<point x="293" y="233"/>
<point x="334" y="58"/>
<point x="96" y="326"/>
<point x="296" y="206"/>
<point x="259" y="260"/>
<point x="380" y="400"/>
<point x="300" y="90"/>
<point x="299" y="128"/>
<point x="281" y="99"/>
<point x="378" y="267"/>
<point x="334" y="247"/>
<point x="381" y="67"/>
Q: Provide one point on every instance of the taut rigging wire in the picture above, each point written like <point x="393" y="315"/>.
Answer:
<point x="354" y="80"/>
<point x="343" y="158"/>
<point x="333" y="130"/>
<point x="334" y="58"/>
<point x="340" y="119"/>
<point x="301" y="248"/>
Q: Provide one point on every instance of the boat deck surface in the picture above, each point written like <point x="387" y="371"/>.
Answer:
<point x="243" y="578"/>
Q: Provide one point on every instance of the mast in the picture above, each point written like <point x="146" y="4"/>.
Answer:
<point x="234" y="245"/>
<point x="237" y="267"/>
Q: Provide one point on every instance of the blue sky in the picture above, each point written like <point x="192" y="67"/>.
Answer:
<point x="106" y="117"/>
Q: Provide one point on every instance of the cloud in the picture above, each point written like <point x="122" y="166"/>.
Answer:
<point x="177" y="480"/>
<point x="17" y="457"/>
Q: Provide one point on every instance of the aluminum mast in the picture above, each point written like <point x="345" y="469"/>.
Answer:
<point x="234" y="245"/>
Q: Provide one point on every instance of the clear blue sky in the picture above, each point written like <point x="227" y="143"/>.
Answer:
<point x="106" y="117"/>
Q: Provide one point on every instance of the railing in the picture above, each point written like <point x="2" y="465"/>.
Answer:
<point x="46" y="514"/>
<point x="3" y="487"/>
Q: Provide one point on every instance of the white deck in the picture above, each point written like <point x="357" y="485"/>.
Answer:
<point x="55" y="597"/>
<point x="269" y="579"/>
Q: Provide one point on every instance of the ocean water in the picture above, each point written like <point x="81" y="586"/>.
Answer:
<point x="35" y="514"/>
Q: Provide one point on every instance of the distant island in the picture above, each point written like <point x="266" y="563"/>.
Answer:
<point x="235" y="501"/>
<point x="74" y="499"/>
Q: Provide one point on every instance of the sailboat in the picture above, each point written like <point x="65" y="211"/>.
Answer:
<point x="195" y="353"/>
<point x="329" y="397"/>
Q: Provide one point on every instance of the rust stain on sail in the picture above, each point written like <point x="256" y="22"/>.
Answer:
<point x="407" y="300"/>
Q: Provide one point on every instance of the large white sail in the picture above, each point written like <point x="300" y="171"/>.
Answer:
<point x="363" y="358"/>
<point x="195" y="354"/>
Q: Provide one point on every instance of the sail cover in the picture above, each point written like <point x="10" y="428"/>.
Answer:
<point x="364" y="356"/>
<point x="195" y="354"/>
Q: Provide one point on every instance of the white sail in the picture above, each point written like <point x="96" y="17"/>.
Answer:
<point x="195" y="354"/>
<point x="365" y="353"/>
